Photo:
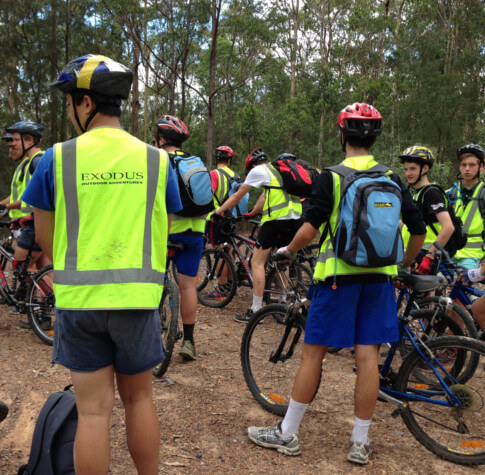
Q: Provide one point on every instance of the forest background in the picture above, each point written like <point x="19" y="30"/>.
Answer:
<point x="249" y="73"/>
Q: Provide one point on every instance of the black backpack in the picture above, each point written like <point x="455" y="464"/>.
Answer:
<point x="458" y="239"/>
<point x="53" y="441"/>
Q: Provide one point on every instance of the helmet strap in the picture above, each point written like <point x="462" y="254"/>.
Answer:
<point x="25" y="150"/>
<point x="343" y="142"/>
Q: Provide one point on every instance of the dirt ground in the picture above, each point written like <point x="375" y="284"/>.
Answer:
<point x="205" y="408"/>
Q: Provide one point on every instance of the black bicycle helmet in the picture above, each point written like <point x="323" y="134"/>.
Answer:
<point x="26" y="127"/>
<point x="7" y="137"/>
<point x="472" y="148"/>
<point x="95" y="73"/>
<point x="418" y="154"/>
<point x="256" y="156"/>
<point x="286" y="156"/>
<point x="172" y="128"/>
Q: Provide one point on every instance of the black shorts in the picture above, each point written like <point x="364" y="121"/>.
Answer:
<point x="277" y="233"/>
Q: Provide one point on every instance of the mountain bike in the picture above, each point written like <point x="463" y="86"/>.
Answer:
<point x="285" y="278"/>
<point x="168" y="312"/>
<point x="438" y="387"/>
<point x="30" y="293"/>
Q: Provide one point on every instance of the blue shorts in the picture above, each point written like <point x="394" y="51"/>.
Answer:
<point x="353" y="314"/>
<point x="88" y="340"/>
<point x="26" y="238"/>
<point x="187" y="261"/>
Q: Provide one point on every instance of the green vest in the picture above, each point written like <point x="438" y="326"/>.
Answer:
<point x="472" y="226"/>
<point x="20" y="179"/>
<point x="278" y="203"/>
<point x="110" y="235"/>
<point x="430" y="234"/>
<point x="222" y="188"/>
<point x="328" y="265"/>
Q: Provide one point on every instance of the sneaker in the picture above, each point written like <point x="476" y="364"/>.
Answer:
<point x="187" y="351"/>
<point x="219" y="293"/>
<point x="24" y="324"/>
<point x="271" y="438"/>
<point x="244" y="317"/>
<point x="359" y="451"/>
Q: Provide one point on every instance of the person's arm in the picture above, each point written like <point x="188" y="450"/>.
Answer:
<point x="415" y="244"/>
<point x="446" y="231"/>
<point x="302" y="238"/>
<point x="5" y="201"/>
<point x="234" y="199"/>
<point x="44" y="230"/>
<point x="258" y="207"/>
<point x="14" y="205"/>
<point x="169" y="221"/>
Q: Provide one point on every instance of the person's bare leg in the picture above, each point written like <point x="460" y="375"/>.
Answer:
<point x="367" y="383"/>
<point x="94" y="400"/>
<point x="478" y="309"/>
<point x="20" y="254"/>
<point x="308" y="375"/>
<point x="258" y="262"/>
<point x="142" y="430"/>
<point x="188" y="298"/>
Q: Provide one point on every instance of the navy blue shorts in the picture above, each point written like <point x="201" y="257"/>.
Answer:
<point x="187" y="261"/>
<point x="26" y="238"/>
<point x="352" y="314"/>
<point x="88" y="340"/>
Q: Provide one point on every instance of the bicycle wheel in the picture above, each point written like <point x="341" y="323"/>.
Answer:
<point x="456" y="433"/>
<point x="212" y="264"/>
<point x="168" y="312"/>
<point x="457" y="313"/>
<point x="41" y="304"/>
<point x="265" y="336"/>
<point x="286" y="283"/>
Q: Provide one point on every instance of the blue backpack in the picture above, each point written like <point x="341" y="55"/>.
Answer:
<point x="368" y="233"/>
<point x="53" y="441"/>
<point x="194" y="185"/>
<point x="234" y="183"/>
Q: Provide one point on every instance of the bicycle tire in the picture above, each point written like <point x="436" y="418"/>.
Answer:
<point x="41" y="304"/>
<point x="168" y="312"/>
<point x="211" y="264"/>
<point x="3" y="411"/>
<point x="459" y="314"/>
<point x="453" y="434"/>
<point x="269" y="382"/>
<point x="299" y="278"/>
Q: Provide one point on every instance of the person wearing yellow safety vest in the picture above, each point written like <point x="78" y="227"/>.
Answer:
<point x="102" y="206"/>
<point x="169" y="134"/>
<point x="280" y="221"/>
<point x="418" y="161"/>
<point x="359" y="311"/>
<point x="468" y="198"/>
<point x="220" y="183"/>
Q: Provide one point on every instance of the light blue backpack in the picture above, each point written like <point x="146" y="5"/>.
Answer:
<point x="368" y="233"/>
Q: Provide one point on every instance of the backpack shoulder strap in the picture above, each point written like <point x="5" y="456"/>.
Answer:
<point x="481" y="201"/>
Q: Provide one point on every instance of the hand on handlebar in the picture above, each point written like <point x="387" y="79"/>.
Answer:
<point x="26" y="221"/>
<point x="425" y="266"/>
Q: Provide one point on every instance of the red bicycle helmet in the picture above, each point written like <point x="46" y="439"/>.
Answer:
<point x="360" y="120"/>
<point x="224" y="153"/>
<point x="172" y="128"/>
<point x="255" y="157"/>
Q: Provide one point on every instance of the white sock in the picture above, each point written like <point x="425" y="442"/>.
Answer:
<point x="361" y="429"/>
<point x="257" y="303"/>
<point x="294" y="415"/>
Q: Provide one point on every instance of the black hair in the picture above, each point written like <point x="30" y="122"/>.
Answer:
<point x="168" y="141"/>
<point x="106" y="105"/>
<point x="364" y="142"/>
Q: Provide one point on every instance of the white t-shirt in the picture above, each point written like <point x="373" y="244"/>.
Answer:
<point x="258" y="177"/>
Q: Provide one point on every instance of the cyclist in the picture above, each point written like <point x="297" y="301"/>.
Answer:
<point x="360" y="311"/>
<point x="108" y="283"/>
<point x="468" y="198"/>
<point x="478" y="305"/>
<point x="432" y="202"/>
<point x="220" y="186"/>
<point x="170" y="133"/>
<point x="281" y="219"/>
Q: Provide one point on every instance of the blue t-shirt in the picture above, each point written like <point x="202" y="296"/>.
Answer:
<point x="40" y="190"/>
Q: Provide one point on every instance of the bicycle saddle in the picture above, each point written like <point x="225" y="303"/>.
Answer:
<point x="422" y="283"/>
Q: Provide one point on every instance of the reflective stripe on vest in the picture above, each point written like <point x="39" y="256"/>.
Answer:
<point x="90" y="255"/>
<point x="325" y="266"/>
<point x="472" y="226"/>
<point x="278" y="203"/>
